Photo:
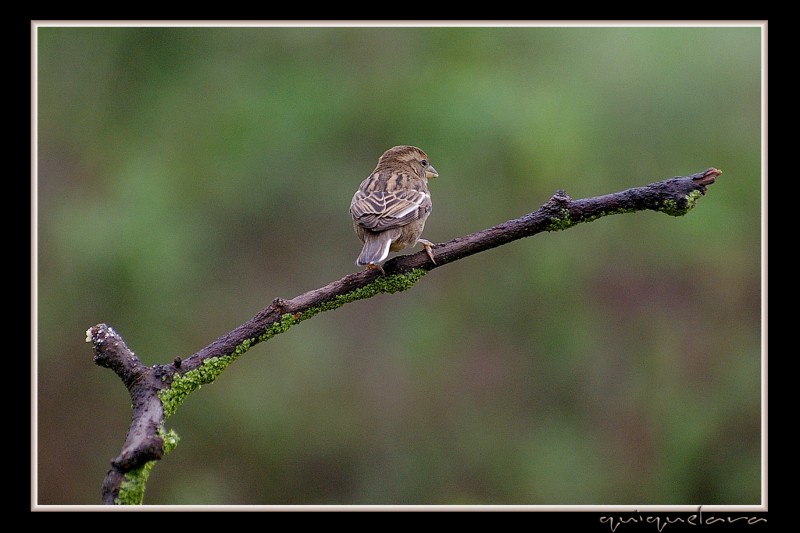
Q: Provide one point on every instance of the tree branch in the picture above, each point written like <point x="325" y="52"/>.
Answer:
<point x="157" y="391"/>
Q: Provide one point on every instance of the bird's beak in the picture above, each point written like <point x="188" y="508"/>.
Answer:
<point x="431" y="172"/>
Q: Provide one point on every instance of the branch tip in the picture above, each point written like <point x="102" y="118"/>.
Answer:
<point x="707" y="177"/>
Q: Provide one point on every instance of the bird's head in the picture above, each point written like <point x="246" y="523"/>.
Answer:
<point x="410" y="157"/>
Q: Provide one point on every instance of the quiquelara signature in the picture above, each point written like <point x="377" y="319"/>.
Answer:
<point x="696" y="519"/>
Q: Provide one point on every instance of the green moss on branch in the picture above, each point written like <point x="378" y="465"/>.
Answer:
<point x="678" y="209"/>
<point x="184" y="384"/>
<point x="131" y="491"/>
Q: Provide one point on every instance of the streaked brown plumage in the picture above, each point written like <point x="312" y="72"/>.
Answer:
<point x="391" y="205"/>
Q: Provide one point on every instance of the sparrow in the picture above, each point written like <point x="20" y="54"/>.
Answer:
<point x="391" y="205"/>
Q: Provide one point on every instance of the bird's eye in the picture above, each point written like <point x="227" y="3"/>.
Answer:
<point x="424" y="162"/>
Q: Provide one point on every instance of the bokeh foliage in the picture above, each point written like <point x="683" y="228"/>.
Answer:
<point x="189" y="175"/>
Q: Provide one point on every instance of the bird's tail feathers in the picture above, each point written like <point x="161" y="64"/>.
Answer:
<point x="376" y="248"/>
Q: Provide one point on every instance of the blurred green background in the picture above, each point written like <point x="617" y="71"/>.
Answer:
<point x="187" y="176"/>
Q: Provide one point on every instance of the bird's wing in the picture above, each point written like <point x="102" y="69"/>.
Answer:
<point x="380" y="210"/>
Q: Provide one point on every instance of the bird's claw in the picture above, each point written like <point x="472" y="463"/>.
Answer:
<point x="428" y="247"/>
<point x="373" y="266"/>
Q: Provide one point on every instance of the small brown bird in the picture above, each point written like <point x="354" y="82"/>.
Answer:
<point x="390" y="207"/>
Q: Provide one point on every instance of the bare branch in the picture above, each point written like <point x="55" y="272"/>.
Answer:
<point x="157" y="391"/>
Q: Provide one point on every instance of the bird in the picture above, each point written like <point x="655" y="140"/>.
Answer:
<point x="390" y="207"/>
